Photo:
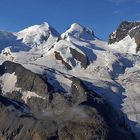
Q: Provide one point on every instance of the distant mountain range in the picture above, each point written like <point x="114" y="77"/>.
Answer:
<point x="70" y="86"/>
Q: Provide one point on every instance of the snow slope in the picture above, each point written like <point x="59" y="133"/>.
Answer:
<point x="8" y="39"/>
<point x="127" y="45"/>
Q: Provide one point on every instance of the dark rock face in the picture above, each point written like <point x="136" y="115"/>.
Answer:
<point x="59" y="57"/>
<point x="26" y="79"/>
<point x="137" y="40"/>
<point x="82" y="122"/>
<point x="78" y="93"/>
<point x="79" y="115"/>
<point x="16" y="125"/>
<point x="82" y="128"/>
<point x="122" y="31"/>
<point x="136" y="34"/>
<point x="80" y="57"/>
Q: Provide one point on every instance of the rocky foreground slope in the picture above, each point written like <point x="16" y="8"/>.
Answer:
<point x="70" y="86"/>
<point x="47" y="115"/>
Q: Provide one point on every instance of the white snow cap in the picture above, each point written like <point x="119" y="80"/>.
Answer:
<point x="78" y="31"/>
<point x="45" y="27"/>
<point x="33" y="33"/>
<point x="38" y="35"/>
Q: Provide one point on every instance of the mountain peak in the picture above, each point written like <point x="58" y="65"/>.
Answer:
<point x="37" y="34"/>
<point x="76" y="26"/>
<point x="80" y="32"/>
<point x="44" y="27"/>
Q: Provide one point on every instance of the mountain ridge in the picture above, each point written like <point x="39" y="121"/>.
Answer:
<point x="78" y="69"/>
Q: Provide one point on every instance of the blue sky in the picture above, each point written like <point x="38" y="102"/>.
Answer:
<point x="101" y="15"/>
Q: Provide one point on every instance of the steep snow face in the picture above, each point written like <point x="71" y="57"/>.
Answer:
<point x="38" y="36"/>
<point x="126" y="45"/>
<point x="63" y="53"/>
<point x="80" y="32"/>
<point x="10" y="39"/>
<point x="76" y="47"/>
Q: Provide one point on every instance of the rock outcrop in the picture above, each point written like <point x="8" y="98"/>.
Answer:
<point x="80" y="57"/>
<point x="26" y="80"/>
<point x="135" y="33"/>
<point x="59" y="57"/>
<point x="16" y="123"/>
<point x="122" y="31"/>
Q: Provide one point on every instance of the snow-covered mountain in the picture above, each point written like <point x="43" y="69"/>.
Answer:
<point x="38" y="36"/>
<point x="61" y="60"/>
<point x="35" y="37"/>
<point x="126" y="38"/>
<point x="79" y="32"/>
